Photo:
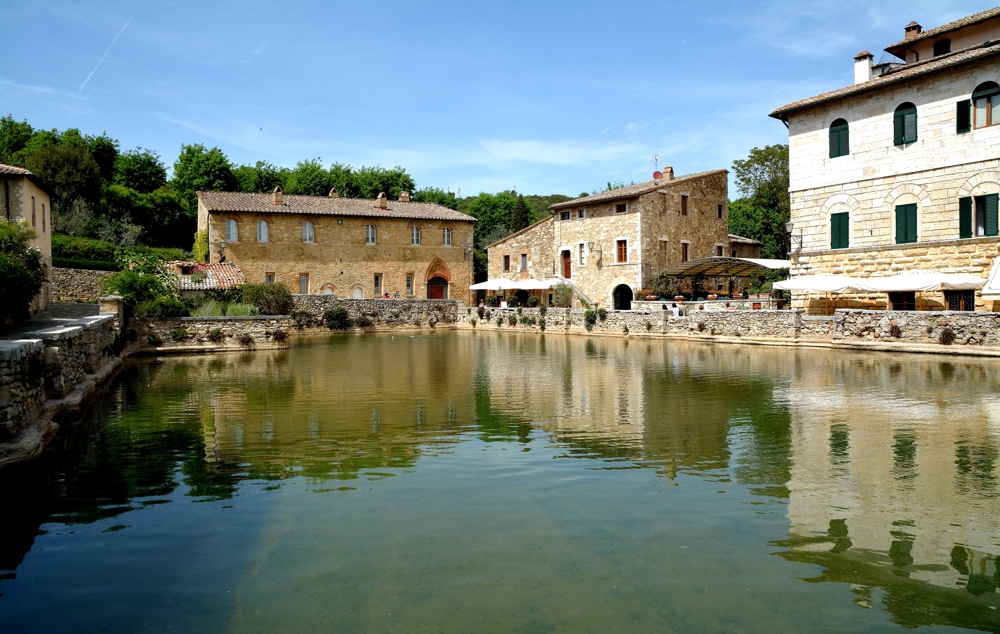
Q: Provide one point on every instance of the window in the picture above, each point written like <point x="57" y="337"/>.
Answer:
<point x="720" y="212"/>
<point x="415" y="236"/>
<point x="904" y="124"/>
<point x="263" y="232"/>
<point x="906" y="223"/>
<point x="977" y="216"/>
<point x="621" y="251"/>
<point x="308" y="232"/>
<point x="303" y="283"/>
<point x="718" y="250"/>
<point x="269" y="278"/>
<point x="985" y="103"/>
<point x="621" y="208"/>
<point x="370" y="234"/>
<point x="840" y="230"/>
<point x="43" y="217"/>
<point x="839" y="139"/>
<point x="524" y="261"/>
<point x="960" y="300"/>
<point x="942" y="47"/>
<point x="684" y="204"/>
<point x="684" y="251"/>
<point x="378" y="285"/>
<point x="409" y="283"/>
<point x="582" y="261"/>
<point x="32" y="211"/>
<point x="564" y="215"/>
<point x="446" y="241"/>
<point x="581" y="214"/>
<point x="506" y="262"/>
<point x="232" y="231"/>
<point x="906" y="300"/>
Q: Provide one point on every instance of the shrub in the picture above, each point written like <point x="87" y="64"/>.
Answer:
<point x="701" y="326"/>
<point x="280" y="336"/>
<point x="589" y="318"/>
<point x="512" y="320"/>
<point x="499" y="320"/>
<point x="302" y="319"/>
<point x="180" y="334"/>
<point x="895" y="331"/>
<point x="336" y="318"/>
<point x="21" y="272"/>
<point x="211" y="308"/>
<point x="246" y="340"/>
<point x="240" y="310"/>
<point x="480" y="310"/>
<point x="364" y="321"/>
<point x="533" y="320"/>
<point x="489" y="315"/>
<point x="93" y="265"/>
<point x="154" y="340"/>
<point x="649" y="326"/>
<point x="541" y="323"/>
<point x="563" y="296"/>
<point x="491" y="301"/>
<point x="215" y="335"/>
<point x="162" y="308"/>
<point x="473" y="322"/>
<point x="520" y="311"/>
<point x="947" y="336"/>
<point x="602" y="314"/>
<point x="525" y="320"/>
<point x="511" y="300"/>
<point x="200" y="249"/>
<point x="269" y="299"/>
<point x="532" y="301"/>
<point x="543" y="310"/>
<point x="232" y="295"/>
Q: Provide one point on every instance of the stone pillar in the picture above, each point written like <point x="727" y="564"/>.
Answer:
<point x="114" y="304"/>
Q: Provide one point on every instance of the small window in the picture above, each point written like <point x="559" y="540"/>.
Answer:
<point x="43" y="218"/>
<point x="378" y="285"/>
<point x="524" y="261"/>
<point x="718" y="250"/>
<point x="720" y="212"/>
<point x="583" y="254"/>
<point x="564" y="215"/>
<point x="839" y="138"/>
<point x="960" y="300"/>
<point x="32" y="211"/>
<point x="187" y="270"/>
<point x="303" y="283"/>
<point x="269" y="278"/>
<point x="684" y="205"/>
<point x="581" y="214"/>
<point x="308" y="232"/>
<point x="409" y="283"/>
<point x="906" y="300"/>
<point x="942" y="47"/>
<point x="904" y="124"/>
<point x="621" y="208"/>
<point x="621" y="251"/>
<point x="734" y="253"/>
<point x="840" y="230"/>
<point x="370" y="234"/>
<point x="506" y="262"/>
<point x="263" y="231"/>
<point x="232" y="231"/>
<point x="415" y="236"/>
<point x="685" y="249"/>
<point x="985" y="105"/>
<point x="446" y="240"/>
<point x="906" y="223"/>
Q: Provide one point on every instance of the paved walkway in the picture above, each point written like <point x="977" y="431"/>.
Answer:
<point x="54" y="315"/>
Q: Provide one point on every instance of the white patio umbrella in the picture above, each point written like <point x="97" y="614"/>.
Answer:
<point x="499" y="284"/>
<point x="537" y="285"/>
<point x="820" y="284"/>
<point x="923" y="281"/>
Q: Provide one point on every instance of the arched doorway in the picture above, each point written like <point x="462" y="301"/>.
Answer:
<point x="522" y="297"/>
<point x="437" y="288"/>
<point x="622" y="296"/>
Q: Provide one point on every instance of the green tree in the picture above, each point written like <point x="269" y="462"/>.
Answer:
<point x="308" y="178"/>
<point x="200" y="169"/>
<point x="519" y="216"/>
<point x="21" y="273"/>
<point x="141" y="170"/>
<point x="369" y="182"/>
<point x="70" y="174"/>
<point x="762" y="179"/>
<point x="436" y="195"/>
<point x="261" y="177"/>
<point x="104" y="150"/>
<point x="14" y="137"/>
<point x="491" y="211"/>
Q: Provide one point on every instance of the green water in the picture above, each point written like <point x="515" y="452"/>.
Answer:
<point x="493" y="482"/>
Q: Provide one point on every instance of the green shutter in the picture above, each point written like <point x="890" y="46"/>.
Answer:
<point x="834" y="143"/>
<point x="991" y="214"/>
<point x="834" y="231"/>
<point x="840" y="230"/>
<point x="845" y="142"/>
<point x="963" y="116"/>
<point x="965" y="217"/>
<point x="911" y="223"/>
<point x="910" y="127"/>
<point x="845" y="230"/>
<point x="897" y="128"/>
<point x="839" y="142"/>
<point x="900" y="224"/>
<point x="906" y="223"/>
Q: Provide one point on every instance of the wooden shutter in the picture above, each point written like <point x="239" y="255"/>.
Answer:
<point x="991" y="214"/>
<point x="910" y="127"/>
<point x="900" y="224"/>
<point x="965" y="217"/>
<point x="840" y="230"/>
<point x="963" y="116"/>
<point x="834" y="143"/>
<point x="839" y="145"/>
<point x="834" y="231"/>
<point x="897" y="128"/>
<point x="845" y="144"/>
<point x="911" y="223"/>
<point x="845" y="230"/>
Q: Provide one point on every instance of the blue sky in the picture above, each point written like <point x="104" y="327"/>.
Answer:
<point x="479" y="96"/>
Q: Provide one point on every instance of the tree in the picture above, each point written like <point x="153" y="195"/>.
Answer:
<point x="261" y="177"/>
<point x="104" y="151"/>
<point x="70" y="174"/>
<point x="200" y="169"/>
<point x="141" y="170"/>
<point x="14" y="136"/>
<point x="21" y="273"/>
<point x="436" y="195"/>
<point x="491" y="211"/>
<point x="369" y="182"/>
<point x="309" y="178"/>
<point x="763" y="180"/>
<point x="519" y="216"/>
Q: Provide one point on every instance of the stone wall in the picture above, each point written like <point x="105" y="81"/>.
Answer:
<point x="382" y="312"/>
<point x="968" y="328"/>
<point x="216" y="332"/>
<point x="22" y="386"/>
<point x="70" y="285"/>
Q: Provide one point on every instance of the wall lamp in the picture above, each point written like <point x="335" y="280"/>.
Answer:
<point x="222" y="250"/>
<point x="794" y="241"/>
<point x="590" y="247"/>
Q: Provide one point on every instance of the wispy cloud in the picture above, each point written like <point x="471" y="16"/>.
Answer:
<point x="69" y="102"/>
<point x="101" y="61"/>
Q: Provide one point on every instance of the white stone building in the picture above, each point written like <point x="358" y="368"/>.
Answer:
<point x="901" y="170"/>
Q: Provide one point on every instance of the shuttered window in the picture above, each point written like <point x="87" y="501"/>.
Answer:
<point x="991" y="223"/>
<point x="963" y="116"/>
<point x="906" y="223"/>
<point x="904" y="124"/>
<point x="839" y="139"/>
<point x="840" y="230"/>
<point x="985" y="103"/>
<point x="965" y="217"/>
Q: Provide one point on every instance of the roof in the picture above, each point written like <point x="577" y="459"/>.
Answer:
<point x="724" y="267"/>
<point x="12" y="170"/>
<point x="898" y="75"/>
<point x="219" y="276"/>
<point x="899" y="47"/>
<point x="741" y="240"/>
<point x="326" y="206"/>
<point x="631" y="191"/>
<point x="519" y="232"/>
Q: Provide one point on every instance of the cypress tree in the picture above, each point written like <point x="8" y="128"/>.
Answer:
<point x="519" y="217"/>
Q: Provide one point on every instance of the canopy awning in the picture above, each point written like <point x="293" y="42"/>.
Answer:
<point x="499" y="284"/>
<point x="992" y="287"/>
<point x="922" y="281"/>
<point x="504" y="284"/>
<point x="821" y="284"/>
<point x="716" y="266"/>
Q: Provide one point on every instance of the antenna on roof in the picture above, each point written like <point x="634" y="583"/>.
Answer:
<point x="656" y="162"/>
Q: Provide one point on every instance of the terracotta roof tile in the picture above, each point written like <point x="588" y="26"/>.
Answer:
<point x="631" y="191"/>
<point x="17" y="171"/>
<point x="326" y="206"/>
<point x="975" y="18"/>
<point x="741" y="240"/>
<point x="218" y="276"/>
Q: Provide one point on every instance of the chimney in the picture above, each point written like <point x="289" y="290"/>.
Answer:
<point x="381" y="202"/>
<point x="863" y="67"/>
<point x="912" y="30"/>
<point x="404" y="197"/>
<point x="333" y="193"/>
<point x="668" y="173"/>
<point x="276" y="196"/>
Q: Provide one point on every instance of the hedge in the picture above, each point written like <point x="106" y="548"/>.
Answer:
<point x="73" y="263"/>
<point x="87" y="253"/>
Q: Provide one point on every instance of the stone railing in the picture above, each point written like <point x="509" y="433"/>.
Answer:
<point x="753" y="303"/>
<point x="70" y="285"/>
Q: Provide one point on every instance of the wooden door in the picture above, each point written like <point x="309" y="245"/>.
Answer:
<point x="435" y="292"/>
<point x="567" y="258"/>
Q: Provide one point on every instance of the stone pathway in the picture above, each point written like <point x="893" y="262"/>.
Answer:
<point x="54" y="315"/>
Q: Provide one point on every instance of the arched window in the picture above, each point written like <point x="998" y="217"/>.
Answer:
<point x="839" y="141"/>
<point x="415" y="236"/>
<point x="370" y="234"/>
<point x="232" y="231"/>
<point x="447" y="237"/>
<point x="32" y="211"/>
<point x="263" y="232"/>
<point x="904" y="124"/>
<point x="985" y="104"/>
<point x="308" y="232"/>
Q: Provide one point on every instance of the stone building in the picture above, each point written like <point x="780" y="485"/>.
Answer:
<point x="345" y="246"/>
<point x="612" y="244"/>
<point x="26" y="200"/>
<point x="901" y="170"/>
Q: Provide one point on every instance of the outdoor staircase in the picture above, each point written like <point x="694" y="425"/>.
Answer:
<point x="576" y="291"/>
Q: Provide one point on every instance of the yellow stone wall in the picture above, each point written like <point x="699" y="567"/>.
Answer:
<point x="339" y="260"/>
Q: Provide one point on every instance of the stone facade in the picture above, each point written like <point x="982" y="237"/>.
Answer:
<point x="25" y="201"/>
<point x="876" y="175"/>
<point x="339" y="260"/>
<point x="70" y="285"/>
<point x="636" y="232"/>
